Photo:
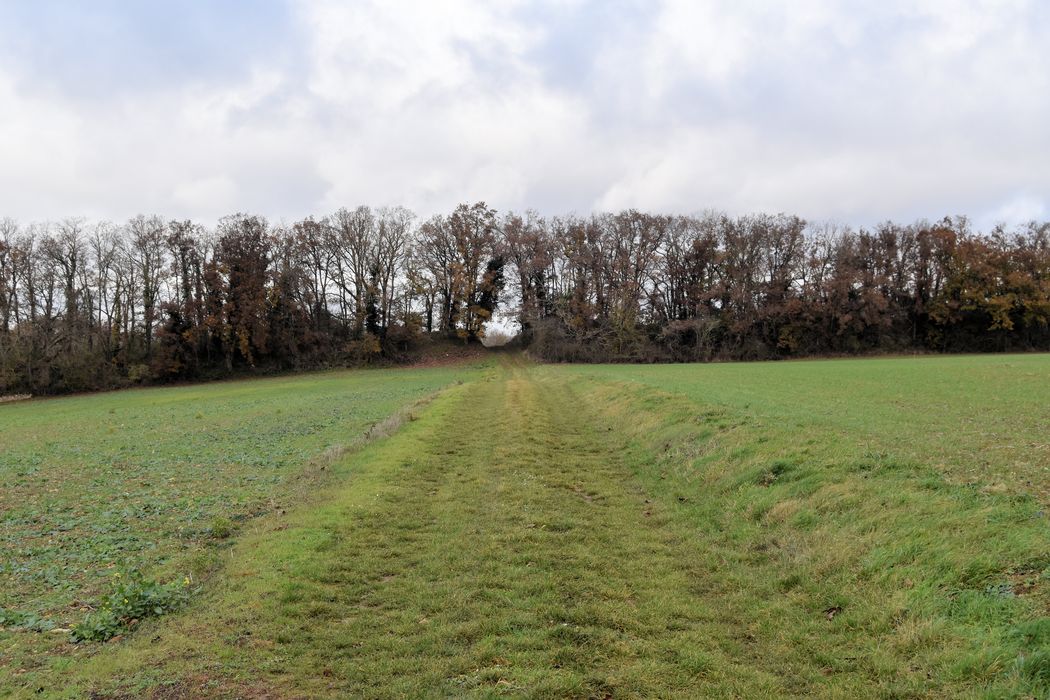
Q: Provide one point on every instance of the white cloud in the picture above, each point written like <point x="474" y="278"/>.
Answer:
<point x="1018" y="210"/>
<point x="211" y="194"/>
<point x="442" y="105"/>
<point x="37" y="143"/>
<point x="857" y="111"/>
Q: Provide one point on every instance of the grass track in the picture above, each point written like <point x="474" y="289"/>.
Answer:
<point x="452" y="568"/>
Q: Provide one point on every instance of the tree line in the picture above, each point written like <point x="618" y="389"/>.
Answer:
<point x="96" y="305"/>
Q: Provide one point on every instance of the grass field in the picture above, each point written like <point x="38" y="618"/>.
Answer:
<point x="847" y="528"/>
<point x="156" y="481"/>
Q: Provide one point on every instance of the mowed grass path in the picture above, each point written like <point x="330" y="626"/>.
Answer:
<point x="497" y="546"/>
<point x="595" y="532"/>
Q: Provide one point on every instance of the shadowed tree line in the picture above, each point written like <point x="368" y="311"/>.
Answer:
<point x="86" y="306"/>
<point x="641" y="287"/>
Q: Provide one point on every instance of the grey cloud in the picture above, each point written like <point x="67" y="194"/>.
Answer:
<point x="855" y="111"/>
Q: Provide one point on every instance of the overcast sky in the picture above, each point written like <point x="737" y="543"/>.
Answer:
<point x="852" y="111"/>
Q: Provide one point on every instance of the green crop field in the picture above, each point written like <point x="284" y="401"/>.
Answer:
<point x="156" y="481"/>
<point x="841" y="528"/>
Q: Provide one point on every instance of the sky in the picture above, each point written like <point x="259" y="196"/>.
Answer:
<point x="854" y="112"/>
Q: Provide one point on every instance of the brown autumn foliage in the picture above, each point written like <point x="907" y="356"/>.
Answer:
<point x="88" y="306"/>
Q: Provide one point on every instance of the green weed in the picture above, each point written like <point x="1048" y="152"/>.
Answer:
<point x="133" y="599"/>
